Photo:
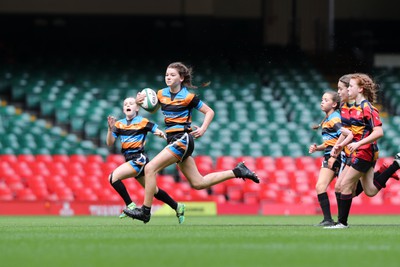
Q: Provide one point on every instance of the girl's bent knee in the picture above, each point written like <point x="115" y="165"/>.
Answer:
<point x="198" y="186"/>
<point x="148" y="170"/>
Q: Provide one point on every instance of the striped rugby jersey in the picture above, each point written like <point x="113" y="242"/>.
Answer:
<point x="133" y="134"/>
<point x="331" y="130"/>
<point x="364" y="117"/>
<point x="177" y="109"/>
<point x="345" y="115"/>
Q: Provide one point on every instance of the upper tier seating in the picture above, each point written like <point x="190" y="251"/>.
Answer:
<point x="263" y="110"/>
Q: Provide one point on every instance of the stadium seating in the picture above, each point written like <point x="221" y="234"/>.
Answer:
<point x="53" y="147"/>
<point x="85" y="178"/>
<point x="261" y="116"/>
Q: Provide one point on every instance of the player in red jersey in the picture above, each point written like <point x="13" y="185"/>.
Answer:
<point x="345" y="107"/>
<point x="366" y="127"/>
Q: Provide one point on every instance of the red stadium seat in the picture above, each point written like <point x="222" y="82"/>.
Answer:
<point x="204" y="159"/>
<point x="5" y="193"/>
<point x="285" y="163"/>
<point x="23" y="169"/>
<point x="58" y="168"/>
<point x="176" y="193"/>
<point x="132" y="185"/>
<point x="94" y="168"/>
<point x="287" y="196"/>
<point x="268" y="195"/>
<point x="76" y="168"/>
<point x="282" y="178"/>
<point x="26" y="194"/>
<point x="394" y="200"/>
<point x="107" y="194"/>
<point x="357" y="201"/>
<point x="263" y="175"/>
<point x="250" y="198"/>
<point x="219" y="199"/>
<point x="118" y="159"/>
<point x="61" y="158"/>
<point x="94" y="158"/>
<point x="225" y="163"/>
<point x="165" y="181"/>
<point x="90" y="180"/>
<point x="26" y="158"/>
<point x="249" y="187"/>
<point x="40" y="168"/>
<point x="318" y="162"/>
<point x="199" y="195"/>
<point x="8" y="158"/>
<point x="85" y="194"/>
<point x="44" y="158"/>
<point x="184" y="187"/>
<point x="302" y="188"/>
<point x="376" y="200"/>
<point x="234" y="194"/>
<point x="265" y="162"/>
<point x="41" y="193"/>
<point x="304" y="162"/>
<point x="65" y="194"/>
<point x="4" y="167"/>
<point x="74" y="182"/>
<point x="204" y="164"/>
<point x="219" y="189"/>
<point x="78" y="158"/>
<point x="54" y="181"/>
<point x="308" y="199"/>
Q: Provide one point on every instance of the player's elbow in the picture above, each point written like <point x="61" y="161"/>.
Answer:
<point x="380" y="132"/>
<point x="210" y="112"/>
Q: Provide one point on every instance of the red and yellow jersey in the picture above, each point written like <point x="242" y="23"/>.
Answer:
<point x="364" y="117"/>
<point x="177" y="109"/>
<point x="346" y="122"/>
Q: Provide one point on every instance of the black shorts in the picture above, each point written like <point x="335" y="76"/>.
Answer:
<point x="137" y="162"/>
<point x="362" y="165"/>
<point x="336" y="165"/>
<point x="180" y="145"/>
<point x="346" y="159"/>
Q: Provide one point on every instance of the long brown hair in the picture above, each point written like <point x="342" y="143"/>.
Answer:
<point x="370" y="89"/>
<point x="187" y="73"/>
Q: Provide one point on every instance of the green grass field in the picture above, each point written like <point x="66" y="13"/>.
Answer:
<point x="201" y="241"/>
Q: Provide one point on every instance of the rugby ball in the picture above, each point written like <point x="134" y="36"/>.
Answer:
<point x="150" y="102"/>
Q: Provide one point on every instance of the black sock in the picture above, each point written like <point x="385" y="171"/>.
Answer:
<point x="146" y="209"/>
<point x="344" y="210"/>
<point x="325" y="206"/>
<point x="164" y="197"/>
<point x="121" y="190"/>
<point x="381" y="179"/>
<point x="237" y="172"/>
<point x="337" y="194"/>
<point x="359" y="188"/>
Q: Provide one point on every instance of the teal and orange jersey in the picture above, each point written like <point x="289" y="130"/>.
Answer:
<point x="346" y="122"/>
<point x="133" y="133"/>
<point x="331" y="130"/>
<point x="177" y="109"/>
<point x="364" y="117"/>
